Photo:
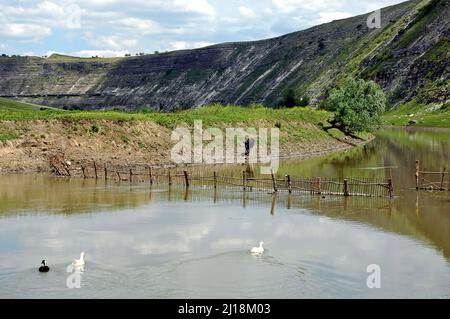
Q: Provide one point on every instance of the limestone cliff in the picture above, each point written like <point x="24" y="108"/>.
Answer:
<point x="408" y="56"/>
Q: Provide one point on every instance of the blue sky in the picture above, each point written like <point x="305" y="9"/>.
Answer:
<point x="114" y="27"/>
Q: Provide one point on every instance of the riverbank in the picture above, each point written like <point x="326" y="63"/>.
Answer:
<point x="30" y="135"/>
<point x="417" y="114"/>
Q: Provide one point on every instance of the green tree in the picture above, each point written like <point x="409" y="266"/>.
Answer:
<point x="289" y="98"/>
<point x="304" y="101"/>
<point x="358" y="105"/>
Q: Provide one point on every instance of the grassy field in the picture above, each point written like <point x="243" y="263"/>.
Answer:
<point x="214" y="114"/>
<point x="425" y="115"/>
<point x="298" y="123"/>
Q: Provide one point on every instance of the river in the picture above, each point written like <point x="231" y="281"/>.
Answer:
<point x="160" y="242"/>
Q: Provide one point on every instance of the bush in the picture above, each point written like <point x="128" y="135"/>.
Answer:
<point x="358" y="105"/>
<point x="304" y="101"/>
<point x="289" y="99"/>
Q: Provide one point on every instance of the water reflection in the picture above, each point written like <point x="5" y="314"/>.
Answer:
<point x="159" y="241"/>
<point x="159" y="250"/>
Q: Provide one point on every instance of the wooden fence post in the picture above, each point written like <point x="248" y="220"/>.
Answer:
<point x="442" y="179"/>
<point x="186" y="178"/>
<point x="106" y="173"/>
<point x="289" y="183"/>
<point x="95" y="170"/>
<point x="83" y="170"/>
<point x="274" y="182"/>
<point x="319" y="191"/>
<point x="169" y="177"/>
<point x="390" y="188"/>
<point x="346" y="193"/>
<point x="215" y="179"/>
<point x="131" y="175"/>
<point x="150" y="175"/>
<point x="448" y="183"/>
<point x="417" y="175"/>
<point x="118" y="175"/>
<point x="244" y="180"/>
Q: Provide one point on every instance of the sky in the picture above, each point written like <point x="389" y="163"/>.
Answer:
<point x="115" y="28"/>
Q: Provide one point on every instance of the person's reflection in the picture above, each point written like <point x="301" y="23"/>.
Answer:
<point x="289" y="201"/>
<point x="274" y="201"/>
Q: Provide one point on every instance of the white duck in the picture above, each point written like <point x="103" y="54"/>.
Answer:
<point x="79" y="262"/>
<point x="258" y="250"/>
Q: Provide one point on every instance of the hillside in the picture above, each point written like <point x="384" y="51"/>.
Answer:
<point x="408" y="57"/>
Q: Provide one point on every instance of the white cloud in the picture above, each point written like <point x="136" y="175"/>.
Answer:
<point x="246" y="12"/>
<point x="197" y="6"/>
<point x="47" y="13"/>
<point x="25" y="31"/>
<point x="290" y="6"/>
<point x="268" y="11"/>
<point x="183" y="45"/>
<point x="113" y="42"/>
<point x="100" y="53"/>
<point x="143" y="26"/>
<point x="330" y="16"/>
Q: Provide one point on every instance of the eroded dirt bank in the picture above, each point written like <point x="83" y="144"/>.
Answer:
<point x="120" y="143"/>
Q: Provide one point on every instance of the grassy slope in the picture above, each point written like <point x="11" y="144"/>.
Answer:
<point x="425" y="115"/>
<point x="8" y="106"/>
<point x="296" y="124"/>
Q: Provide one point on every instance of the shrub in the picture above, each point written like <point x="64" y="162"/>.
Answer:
<point x="304" y="101"/>
<point x="289" y="99"/>
<point x="358" y="105"/>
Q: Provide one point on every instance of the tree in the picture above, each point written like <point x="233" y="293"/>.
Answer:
<point x="304" y="101"/>
<point x="358" y="105"/>
<point x="289" y="98"/>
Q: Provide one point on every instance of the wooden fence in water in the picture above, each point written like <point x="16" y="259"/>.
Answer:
<point x="432" y="181"/>
<point x="170" y="175"/>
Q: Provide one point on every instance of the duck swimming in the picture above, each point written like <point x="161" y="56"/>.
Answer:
<point x="79" y="262"/>
<point x="44" y="267"/>
<point x="258" y="250"/>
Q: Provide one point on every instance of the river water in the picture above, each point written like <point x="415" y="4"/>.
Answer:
<point x="156" y="242"/>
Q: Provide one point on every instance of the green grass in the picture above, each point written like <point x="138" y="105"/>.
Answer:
<point x="334" y="132"/>
<point x="425" y="115"/>
<point x="9" y="105"/>
<point x="214" y="115"/>
<point x="7" y="136"/>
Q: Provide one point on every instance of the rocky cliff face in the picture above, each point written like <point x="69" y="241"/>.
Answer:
<point x="405" y="56"/>
<point x="415" y="62"/>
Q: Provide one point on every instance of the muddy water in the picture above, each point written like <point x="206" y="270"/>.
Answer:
<point x="156" y="242"/>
